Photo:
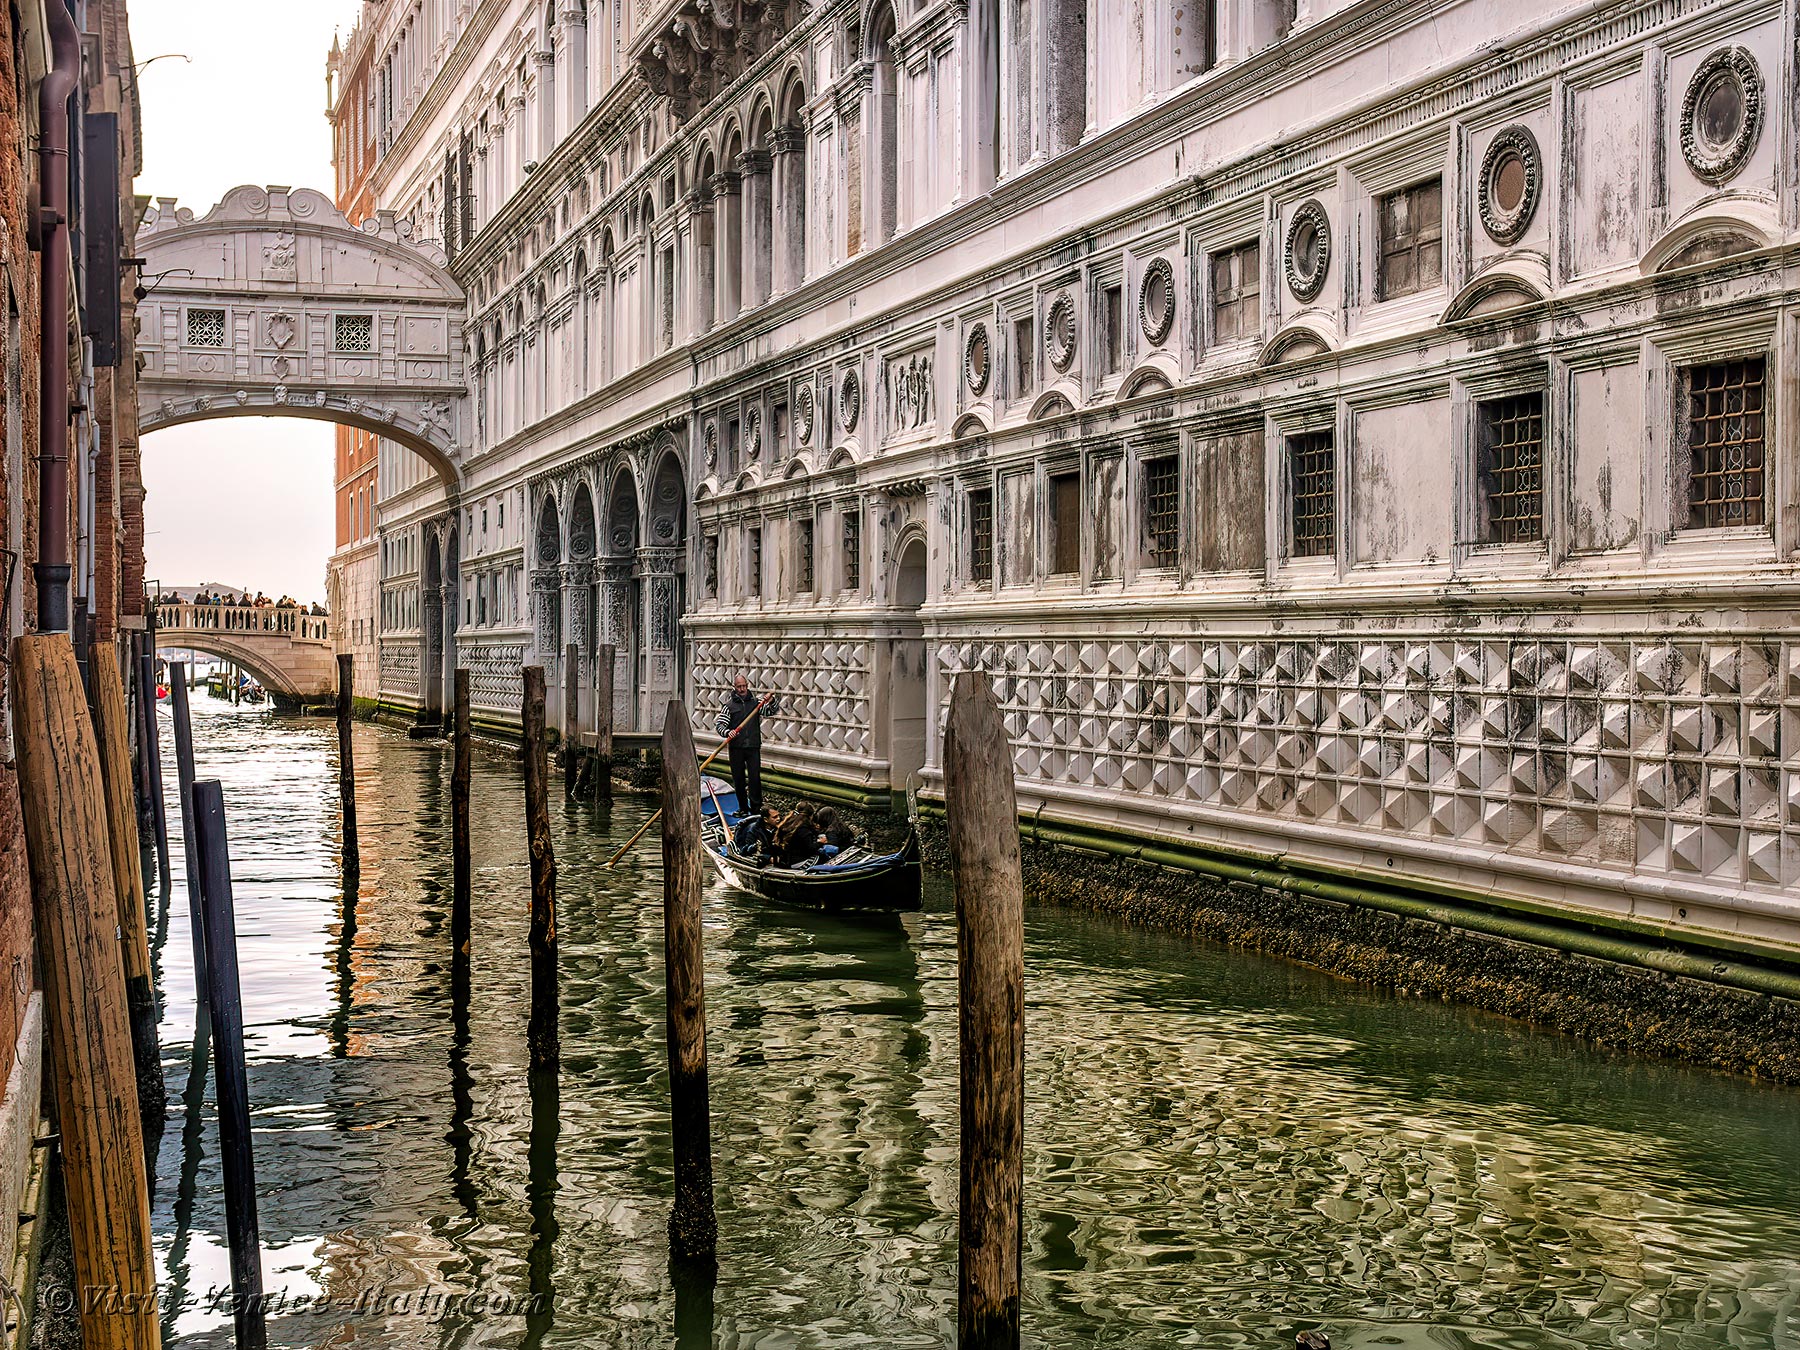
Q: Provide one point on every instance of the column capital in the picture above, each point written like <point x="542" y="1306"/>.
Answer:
<point x="724" y="183"/>
<point x="787" y="140"/>
<point x="754" y="163"/>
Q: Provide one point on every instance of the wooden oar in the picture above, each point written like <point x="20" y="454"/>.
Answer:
<point x="625" y="847"/>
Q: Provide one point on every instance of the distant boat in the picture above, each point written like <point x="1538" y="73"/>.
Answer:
<point x="856" y="879"/>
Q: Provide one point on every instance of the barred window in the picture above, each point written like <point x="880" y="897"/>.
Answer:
<point x="353" y="333"/>
<point x="1237" y="292"/>
<point x="1162" y="511"/>
<point x="1510" y="475"/>
<point x="1412" y="239"/>
<point x="754" y="563"/>
<point x="1726" y="444"/>
<point x="1312" y="476"/>
<point x="206" y="328"/>
<point x="710" y="562"/>
<point x="1024" y="358"/>
<point x="803" y="548"/>
<point x="981" y="535"/>
<point x="853" y="550"/>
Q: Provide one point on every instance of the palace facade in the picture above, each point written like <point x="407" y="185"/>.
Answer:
<point x="1358" y="431"/>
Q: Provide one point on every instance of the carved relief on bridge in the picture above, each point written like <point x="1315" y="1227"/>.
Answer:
<point x="274" y="304"/>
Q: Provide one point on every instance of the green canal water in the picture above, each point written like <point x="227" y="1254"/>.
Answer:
<point x="1219" y="1149"/>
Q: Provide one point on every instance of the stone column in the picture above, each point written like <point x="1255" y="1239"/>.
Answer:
<point x="572" y="52"/>
<point x="431" y="658"/>
<point x="790" y="208"/>
<point x="617" y="628"/>
<point x="754" y="165"/>
<point x="727" y="245"/>
<point x="546" y="604"/>
<point x="702" y="286"/>
<point x="850" y="111"/>
<point x="549" y="126"/>
<point x="660" y="624"/>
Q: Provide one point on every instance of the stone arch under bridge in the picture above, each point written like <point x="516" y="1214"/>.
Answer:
<point x="272" y="304"/>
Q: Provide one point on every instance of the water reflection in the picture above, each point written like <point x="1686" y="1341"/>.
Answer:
<point x="1220" y="1149"/>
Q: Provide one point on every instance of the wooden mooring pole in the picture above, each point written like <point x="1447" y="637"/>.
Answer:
<point x="542" y="1034"/>
<point x="76" y="912"/>
<point x="231" y="1083"/>
<point x="112" y="732"/>
<point x="983" y="824"/>
<point x="184" y="786"/>
<point x="152" y="747"/>
<point x="571" y="721"/>
<point x="346" y="693"/>
<point x="603" y="723"/>
<point x="461" y="752"/>
<point x="693" y="1227"/>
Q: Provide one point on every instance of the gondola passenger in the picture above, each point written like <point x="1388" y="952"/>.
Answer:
<point x="754" y="833"/>
<point x="835" y="834"/>
<point x="797" y="837"/>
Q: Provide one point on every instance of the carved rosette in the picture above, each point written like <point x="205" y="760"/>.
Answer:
<point x="753" y="432"/>
<point x="803" y="413"/>
<point x="1059" y="331"/>
<point x="849" y="399"/>
<point x="1307" y="257"/>
<point x="978" y="359"/>
<point x="1722" y="114"/>
<point x="710" y="445"/>
<point x="1156" y="301"/>
<point x="1510" y="184"/>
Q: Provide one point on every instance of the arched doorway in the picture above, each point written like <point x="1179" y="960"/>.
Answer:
<point x="431" y="614"/>
<point x="907" y="670"/>
<point x="622" y="597"/>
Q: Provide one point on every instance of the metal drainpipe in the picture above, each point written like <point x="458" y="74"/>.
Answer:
<point x="51" y="567"/>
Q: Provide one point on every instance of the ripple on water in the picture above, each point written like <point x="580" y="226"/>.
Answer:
<point x="1219" y="1148"/>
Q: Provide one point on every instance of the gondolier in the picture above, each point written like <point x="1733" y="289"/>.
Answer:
<point x="740" y="722"/>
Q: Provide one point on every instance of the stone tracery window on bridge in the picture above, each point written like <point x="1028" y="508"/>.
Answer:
<point x="353" y="333"/>
<point x="206" y="328"/>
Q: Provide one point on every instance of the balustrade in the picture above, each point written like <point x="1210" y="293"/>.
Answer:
<point x="297" y="625"/>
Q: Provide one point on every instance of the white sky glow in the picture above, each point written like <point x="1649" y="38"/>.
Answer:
<point x="242" y="501"/>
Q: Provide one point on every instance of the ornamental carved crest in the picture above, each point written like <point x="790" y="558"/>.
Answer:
<point x="911" y="392"/>
<point x="282" y="330"/>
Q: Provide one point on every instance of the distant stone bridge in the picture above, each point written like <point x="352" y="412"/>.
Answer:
<point x="288" y="651"/>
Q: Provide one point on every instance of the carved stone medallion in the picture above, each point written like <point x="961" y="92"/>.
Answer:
<point x="1510" y="184"/>
<point x="977" y="359"/>
<point x="1156" y="301"/>
<point x="1059" y="331"/>
<point x="1308" y="252"/>
<point x="849" y="399"/>
<point x="1722" y="114"/>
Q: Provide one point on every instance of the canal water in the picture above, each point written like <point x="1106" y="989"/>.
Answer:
<point x="1220" y="1148"/>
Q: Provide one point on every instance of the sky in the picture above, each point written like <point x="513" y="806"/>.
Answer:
<point x="242" y="501"/>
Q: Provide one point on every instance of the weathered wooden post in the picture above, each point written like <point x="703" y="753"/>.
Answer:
<point x="990" y="953"/>
<point x="693" y="1227"/>
<point x="603" y="723"/>
<point x="159" y="806"/>
<point x="231" y="1083"/>
<point x="179" y="685"/>
<point x="140" y="768"/>
<point x="346" y="690"/>
<point x="542" y="1034"/>
<point x="571" y="721"/>
<point x="113" y="735"/>
<point x="76" y="912"/>
<point x="459" y="815"/>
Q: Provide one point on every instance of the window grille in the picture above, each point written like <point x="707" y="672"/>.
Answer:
<point x="1512" y="469"/>
<point x="1113" y="315"/>
<point x="206" y="328"/>
<point x="805" y="550"/>
<point x="1412" y="239"/>
<point x="756" y="580"/>
<point x="1024" y="358"/>
<point x="1312" y="473"/>
<point x="711" y="562"/>
<point x="1726" y="445"/>
<point x="354" y="333"/>
<point x="1162" y="511"/>
<point x="1237" y="292"/>
<point x="852" y="550"/>
<point x="981" y="535"/>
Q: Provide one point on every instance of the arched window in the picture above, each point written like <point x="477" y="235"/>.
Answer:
<point x="608" y="333"/>
<point x="704" y="282"/>
<point x="583" y="355"/>
<point x="759" y="212"/>
<point x="1066" y="104"/>
<point x="727" y="226"/>
<point x="981" y="88"/>
<point x="882" y="153"/>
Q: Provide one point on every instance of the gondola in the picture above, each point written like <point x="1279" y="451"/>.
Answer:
<point x="856" y="879"/>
